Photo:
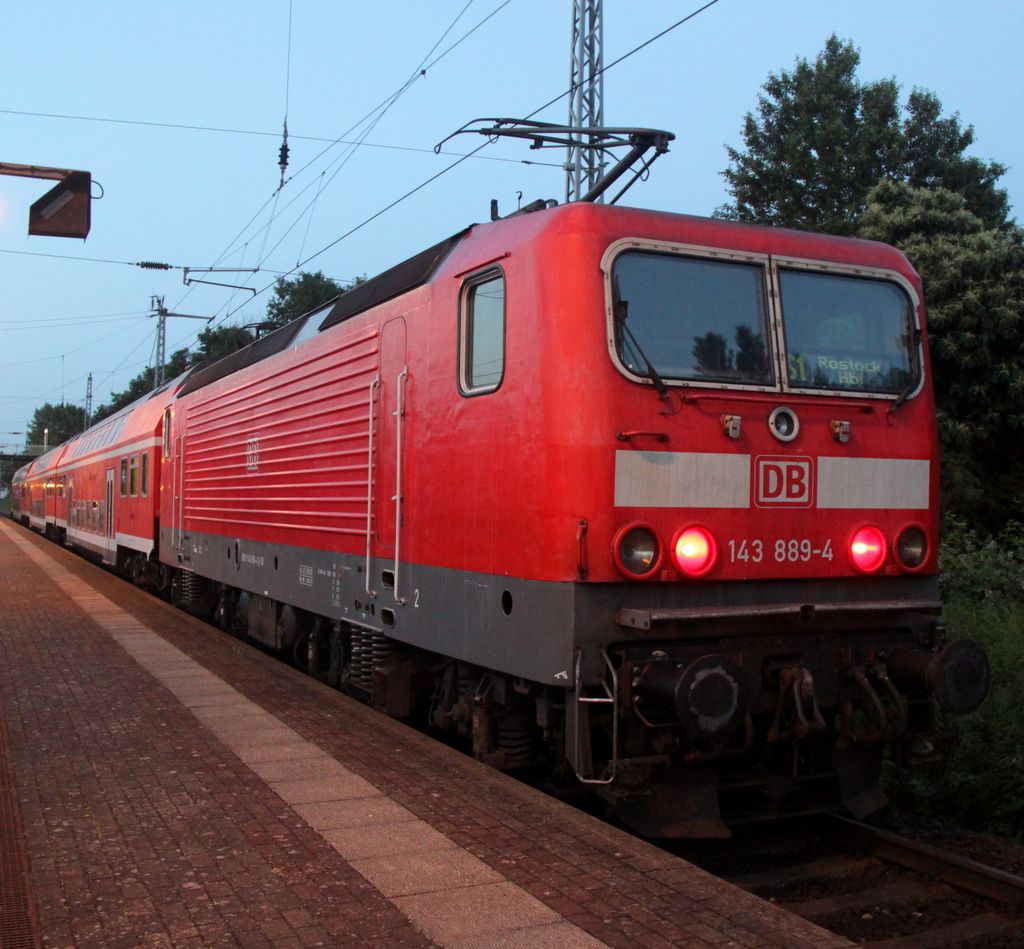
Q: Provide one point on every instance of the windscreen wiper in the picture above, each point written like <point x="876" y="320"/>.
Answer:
<point x="905" y="394"/>
<point x="621" y="314"/>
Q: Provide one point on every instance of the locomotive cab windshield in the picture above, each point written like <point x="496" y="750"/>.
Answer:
<point x="710" y="319"/>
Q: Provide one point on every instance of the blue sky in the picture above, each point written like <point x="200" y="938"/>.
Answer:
<point x="195" y="198"/>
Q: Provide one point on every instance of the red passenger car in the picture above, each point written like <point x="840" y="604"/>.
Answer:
<point x="99" y="491"/>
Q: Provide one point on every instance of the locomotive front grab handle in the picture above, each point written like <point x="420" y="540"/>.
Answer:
<point x="403" y="377"/>
<point x="374" y="386"/>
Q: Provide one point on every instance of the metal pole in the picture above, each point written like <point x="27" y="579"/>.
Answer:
<point x="586" y="99"/>
<point x="157" y="303"/>
<point x="161" y="314"/>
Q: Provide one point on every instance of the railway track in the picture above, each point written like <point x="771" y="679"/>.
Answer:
<point x="888" y="892"/>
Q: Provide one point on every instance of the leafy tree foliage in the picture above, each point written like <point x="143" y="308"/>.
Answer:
<point x="292" y="298"/>
<point x="973" y="277"/>
<point x="55" y="424"/>
<point x="826" y="152"/>
<point x="213" y="343"/>
<point x="216" y="342"/>
<point x="822" y="139"/>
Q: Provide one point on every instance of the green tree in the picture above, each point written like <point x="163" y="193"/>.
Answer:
<point x="212" y="343"/>
<point x="292" y="298"/>
<point x="216" y="342"/>
<point x="54" y="424"/>
<point x="822" y="139"/>
<point x="973" y="278"/>
<point x="828" y="153"/>
<point x="299" y="295"/>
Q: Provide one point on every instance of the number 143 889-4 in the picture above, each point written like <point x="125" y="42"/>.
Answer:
<point x="753" y="551"/>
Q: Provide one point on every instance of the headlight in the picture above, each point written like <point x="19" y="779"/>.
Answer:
<point x="637" y="551"/>
<point x="912" y="547"/>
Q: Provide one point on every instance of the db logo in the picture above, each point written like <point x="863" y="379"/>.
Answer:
<point x="783" y="480"/>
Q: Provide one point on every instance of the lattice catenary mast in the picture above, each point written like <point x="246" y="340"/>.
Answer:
<point x="586" y="100"/>
<point x="161" y="313"/>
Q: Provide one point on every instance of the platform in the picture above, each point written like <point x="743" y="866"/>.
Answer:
<point x="171" y="786"/>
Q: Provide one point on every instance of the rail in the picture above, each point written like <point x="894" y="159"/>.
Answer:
<point x="954" y="869"/>
<point x="865" y="893"/>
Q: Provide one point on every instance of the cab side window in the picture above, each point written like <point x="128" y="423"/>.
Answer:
<point x="168" y="415"/>
<point x="482" y="333"/>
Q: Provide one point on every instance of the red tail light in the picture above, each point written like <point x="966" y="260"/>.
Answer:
<point x="867" y="549"/>
<point x="694" y="551"/>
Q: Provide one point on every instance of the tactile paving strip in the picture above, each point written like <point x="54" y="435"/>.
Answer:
<point x="19" y="922"/>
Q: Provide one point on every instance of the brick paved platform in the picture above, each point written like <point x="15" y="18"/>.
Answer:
<point x="179" y="788"/>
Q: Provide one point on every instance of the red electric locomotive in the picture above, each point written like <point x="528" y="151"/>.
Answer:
<point x="649" y="498"/>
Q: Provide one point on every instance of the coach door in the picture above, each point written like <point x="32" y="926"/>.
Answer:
<point x="109" y="520"/>
<point x="389" y="440"/>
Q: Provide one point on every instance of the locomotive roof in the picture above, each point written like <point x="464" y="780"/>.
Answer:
<point x="401" y="278"/>
<point x="419" y="269"/>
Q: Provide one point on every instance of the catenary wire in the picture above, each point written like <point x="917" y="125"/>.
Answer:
<point x="421" y="70"/>
<point x="302" y="138"/>
<point x="615" y="62"/>
<point x="462" y="158"/>
<point x="385" y="105"/>
<point x="372" y="119"/>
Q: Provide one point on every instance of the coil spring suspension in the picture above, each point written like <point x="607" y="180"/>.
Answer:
<point x="517" y="735"/>
<point x="369" y="650"/>
<point x="191" y="586"/>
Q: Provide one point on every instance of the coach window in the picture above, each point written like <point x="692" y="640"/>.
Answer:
<point x="145" y="474"/>
<point x="482" y="333"/>
<point x="167" y="433"/>
<point x="124" y="477"/>
<point x="133" y="479"/>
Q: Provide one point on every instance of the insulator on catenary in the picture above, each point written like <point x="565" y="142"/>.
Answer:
<point x="152" y="265"/>
<point x="282" y="162"/>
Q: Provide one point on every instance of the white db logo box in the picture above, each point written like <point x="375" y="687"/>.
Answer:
<point x="783" y="480"/>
